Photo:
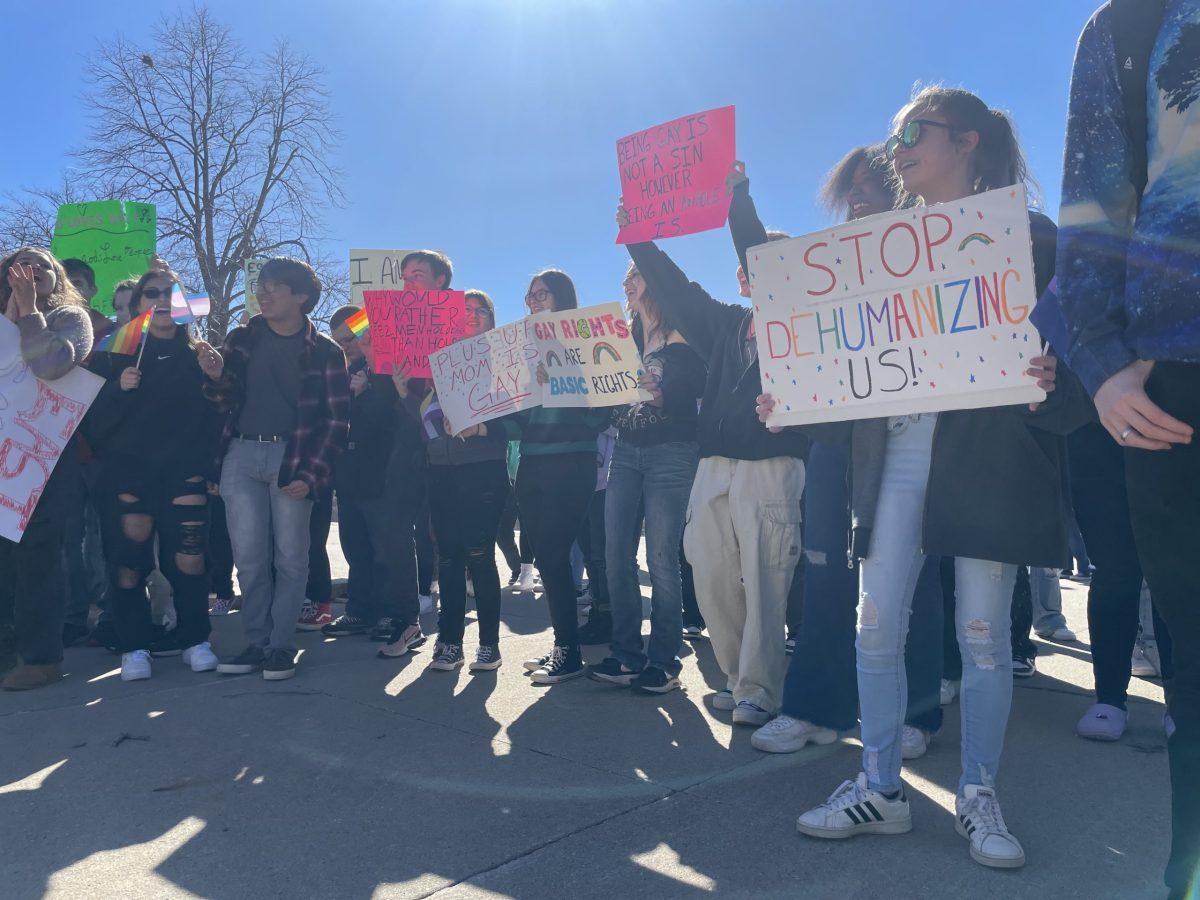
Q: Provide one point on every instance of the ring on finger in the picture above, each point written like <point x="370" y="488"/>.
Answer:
<point x="1126" y="432"/>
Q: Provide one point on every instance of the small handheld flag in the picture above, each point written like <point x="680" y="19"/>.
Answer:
<point x="186" y="308"/>
<point x="126" y="338"/>
<point x="358" y="323"/>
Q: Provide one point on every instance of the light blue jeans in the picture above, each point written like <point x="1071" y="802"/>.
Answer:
<point x="265" y="526"/>
<point x="660" y="476"/>
<point x="887" y="580"/>
<point x="1046" y="597"/>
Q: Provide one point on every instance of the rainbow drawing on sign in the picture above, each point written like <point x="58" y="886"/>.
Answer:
<point x="977" y="236"/>
<point x="605" y="347"/>
<point x="358" y="323"/>
<point x="552" y="359"/>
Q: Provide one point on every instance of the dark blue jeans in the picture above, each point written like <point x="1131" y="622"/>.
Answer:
<point x="822" y="678"/>
<point x="661" y="477"/>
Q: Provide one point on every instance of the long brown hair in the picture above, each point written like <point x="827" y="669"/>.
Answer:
<point x="666" y="325"/>
<point x="64" y="293"/>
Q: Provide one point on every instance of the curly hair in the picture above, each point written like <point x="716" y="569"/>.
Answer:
<point x="64" y="293"/>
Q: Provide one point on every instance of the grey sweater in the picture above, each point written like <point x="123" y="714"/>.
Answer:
<point x="55" y="342"/>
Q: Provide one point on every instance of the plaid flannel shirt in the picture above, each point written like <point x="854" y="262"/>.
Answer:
<point x="323" y="407"/>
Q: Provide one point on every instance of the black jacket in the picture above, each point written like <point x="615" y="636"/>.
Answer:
<point x="360" y="471"/>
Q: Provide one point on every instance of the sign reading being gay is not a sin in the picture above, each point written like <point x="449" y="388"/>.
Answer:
<point x="917" y="310"/>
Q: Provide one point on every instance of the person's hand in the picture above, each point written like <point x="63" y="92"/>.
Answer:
<point x="211" y="362"/>
<point x="358" y="382"/>
<point x="131" y="379"/>
<point x="214" y="489"/>
<point x="1131" y="417"/>
<point x="737" y="174"/>
<point x="542" y="376"/>
<point x="24" y="297"/>
<point x="400" y="378"/>
<point x="472" y="431"/>
<point x="1045" y="370"/>
<point x="652" y="385"/>
<point x="764" y="405"/>
<point x="622" y="214"/>
<point x="297" y="490"/>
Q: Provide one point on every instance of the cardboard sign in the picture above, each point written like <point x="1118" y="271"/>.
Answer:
<point x="251" y="298"/>
<point x="37" y="418"/>
<point x="408" y="325"/>
<point x="375" y="270"/>
<point x="589" y="357"/>
<point x="585" y="357"/>
<point x="673" y="176"/>
<point x="117" y="239"/>
<point x="918" y="310"/>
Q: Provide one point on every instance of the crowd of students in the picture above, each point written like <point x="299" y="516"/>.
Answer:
<point x="896" y="581"/>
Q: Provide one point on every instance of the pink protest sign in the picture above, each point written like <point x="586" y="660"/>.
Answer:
<point x="407" y="325"/>
<point x="673" y="176"/>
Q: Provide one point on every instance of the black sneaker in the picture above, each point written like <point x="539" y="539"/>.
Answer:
<point x="249" y="660"/>
<point x="1024" y="667"/>
<point x="597" y="629"/>
<point x="565" y="663"/>
<point x="487" y="658"/>
<point x="694" y="633"/>
<point x="280" y="664"/>
<point x="654" y="680"/>
<point x="345" y="625"/>
<point x="613" y="671"/>
<point x="383" y="629"/>
<point x="448" y="658"/>
<point x="532" y="665"/>
<point x="167" y="645"/>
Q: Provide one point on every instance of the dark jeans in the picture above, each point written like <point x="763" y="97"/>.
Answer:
<point x="143" y="502"/>
<point x="32" y="576"/>
<point x="320" y="582"/>
<point x="82" y="551"/>
<point x="594" y="547"/>
<point x="691" y="609"/>
<point x="465" y="503"/>
<point x="356" y="539"/>
<point x="220" y="551"/>
<point x="427" y="551"/>
<point x="1021" y="614"/>
<point x="398" y="514"/>
<point x="553" y="493"/>
<point x="951" y="654"/>
<point x="506" y="535"/>
<point x="1164" y="506"/>
<point x="822" y="678"/>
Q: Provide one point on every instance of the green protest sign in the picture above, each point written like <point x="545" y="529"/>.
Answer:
<point x="116" y="238"/>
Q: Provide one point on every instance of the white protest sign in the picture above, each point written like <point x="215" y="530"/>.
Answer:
<point x="589" y="356"/>
<point x="375" y="270"/>
<point x="37" y="418"/>
<point x="917" y="310"/>
<point x="490" y="375"/>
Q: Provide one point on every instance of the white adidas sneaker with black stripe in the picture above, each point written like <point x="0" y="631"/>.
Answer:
<point x="856" y="809"/>
<point x="979" y="820"/>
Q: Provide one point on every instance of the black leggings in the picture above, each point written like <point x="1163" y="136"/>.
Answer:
<point x="506" y="538"/>
<point x="553" y="493"/>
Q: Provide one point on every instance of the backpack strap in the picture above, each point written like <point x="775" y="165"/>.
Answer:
<point x="1135" y="27"/>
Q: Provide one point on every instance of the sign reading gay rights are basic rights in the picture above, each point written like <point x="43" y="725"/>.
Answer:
<point x="917" y="310"/>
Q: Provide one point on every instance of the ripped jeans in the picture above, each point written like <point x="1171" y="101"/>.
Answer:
<point x="887" y="579"/>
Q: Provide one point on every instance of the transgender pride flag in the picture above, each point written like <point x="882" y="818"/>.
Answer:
<point x="187" y="308"/>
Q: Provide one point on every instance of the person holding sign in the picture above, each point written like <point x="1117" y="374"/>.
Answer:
<point x="554" y="487"/>
<point x="55" y="336"/>
<point x="653" y="463"/>
<point x="155" y="436"/>
<point x="919" y="484"/>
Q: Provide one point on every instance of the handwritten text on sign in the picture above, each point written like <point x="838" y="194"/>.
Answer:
<point x="487" y="376"/>
<point x="408" y="325"/>
<point x="673" y="176"/>
<point x="375" y="270"/>
<point x="589" y="357"/>
<point x="37" y="418"/>
<point x="918" y="310"/>
<point x="115" y="238"/>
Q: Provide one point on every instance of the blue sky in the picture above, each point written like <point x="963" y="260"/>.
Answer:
<point x="486" y="128"/>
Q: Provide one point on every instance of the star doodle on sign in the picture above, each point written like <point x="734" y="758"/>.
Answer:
<point x="819" y="367"/>
<point x="972" y="379"/>
<point x="838" y="261"/>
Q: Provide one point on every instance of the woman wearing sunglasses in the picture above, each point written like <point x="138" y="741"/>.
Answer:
<point x="155" y="437"/>
<point x="927" y="498"/>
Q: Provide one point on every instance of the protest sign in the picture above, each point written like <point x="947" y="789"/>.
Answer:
<point x="251" y="299"/>
<point x="487" y="376"/>
<point x="589" y="356"/>
<point x="673" y="176"/>
<point x="116" y="238"/>
<point x="375" y="270"/>
<point x="917" y="310"/>
<point x="408" y="325"/>
<point x="37" y="418"/>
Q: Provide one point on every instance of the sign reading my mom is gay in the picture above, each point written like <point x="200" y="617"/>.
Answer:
<point x="918" y="310"/>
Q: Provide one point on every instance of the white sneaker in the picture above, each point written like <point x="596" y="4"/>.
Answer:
<point x="979" y="820"/>
<point x="526" y="581"/>
<point x="135" y="666"/>
<point x="856" y="809"/>
<point x="1062" y="635"/>
<point x="747" y="713"/>
<point x="914" y="742"/>
<point x="949" y="691"/>
<point x="1144" y="662"/>
<point x="426" y="601"/>
<point x="723" y="700"/>
<point x="783" y="734"/>
<point x="200" y="657"/>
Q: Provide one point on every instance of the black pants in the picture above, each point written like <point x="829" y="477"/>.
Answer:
<point x="220" y="551"/>
<point x="1164" y="506"/>
<point x="32" y="575"/>
<point x="355" y="539"/>
<point x="320" y="582"/>
<point x="397" y="517"/>
<point x="594" y="547"/>
<point x="506" y="538"/>
<point x="427" y="551"/>
<point x="465" y="503"/>
<point x="951" y="654"/>
<point x="1021" y="613"/>
<point x="553" y="493"/>
<point x="691" y="609"/>
<point x="143" y="502"/>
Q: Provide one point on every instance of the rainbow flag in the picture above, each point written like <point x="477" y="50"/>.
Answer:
<point x="127" y="338"/>
<point x="358" y="323"/>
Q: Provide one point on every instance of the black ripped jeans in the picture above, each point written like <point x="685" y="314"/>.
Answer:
<point x="143" y="501"/>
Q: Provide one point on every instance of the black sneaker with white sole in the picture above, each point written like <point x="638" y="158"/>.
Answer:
<point x="487" y="658"/>
<point x="654" y="680"/>
<point x="345" y="625"/>
<point x="249" y="660"/>
<point x="565" y="663"/>
<point x="532" y="665"/>
<point x="613" y="671"/>
<point x="448" y="658"/>
<point x="280" y="664"/>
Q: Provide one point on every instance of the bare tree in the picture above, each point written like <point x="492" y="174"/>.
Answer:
<point x="27" y="217"/>
<point x="232" y="147"/>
